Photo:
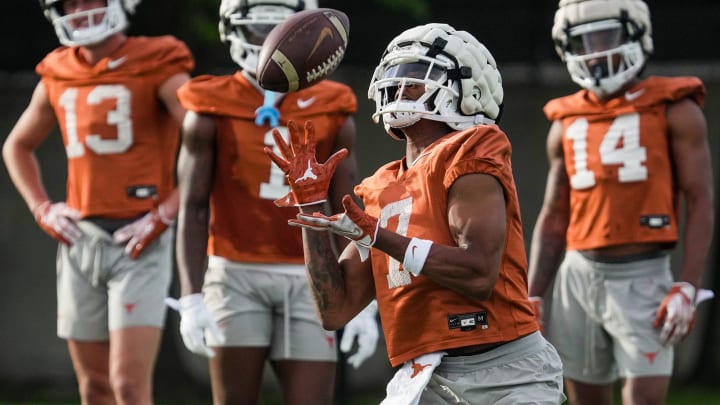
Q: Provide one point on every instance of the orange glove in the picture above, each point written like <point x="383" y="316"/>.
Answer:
<point x="309" y="180"/>
<point x="58" y="221"/>
<point x="140" y="233"/>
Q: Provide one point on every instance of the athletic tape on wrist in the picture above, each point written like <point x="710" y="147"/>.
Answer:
<point x="416" y="254"/>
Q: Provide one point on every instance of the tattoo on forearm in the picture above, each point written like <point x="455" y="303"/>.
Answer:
<point x="325" y="273"/>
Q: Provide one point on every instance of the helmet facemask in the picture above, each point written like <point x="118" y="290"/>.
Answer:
<point x="87" y="27"/>
<point x="402" y="70"/>
<point x="604" y="43"/>
<point x="245" y="24"/>
<point x="459" y="83"/>
<point x="600" y="57"/>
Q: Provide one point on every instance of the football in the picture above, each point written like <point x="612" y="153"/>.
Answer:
<point x="303" y="50"/>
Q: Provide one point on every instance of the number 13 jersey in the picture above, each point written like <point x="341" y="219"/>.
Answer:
<point x="119" y="138"/>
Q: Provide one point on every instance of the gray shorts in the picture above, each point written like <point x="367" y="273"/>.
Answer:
<point x="525" y="371"/>
<point x="260" y="308"/>
<point x="601" y="318"/>
<point x="100" y="288"/>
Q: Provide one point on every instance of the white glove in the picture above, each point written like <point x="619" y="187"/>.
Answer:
<point x="58" y="220"/>
<point x="195" y="320"/>
<point x="676" y="313"/>
<point x="140" y="233"/>
<point x="353" y="224"/>
<point x="365" y="327"/>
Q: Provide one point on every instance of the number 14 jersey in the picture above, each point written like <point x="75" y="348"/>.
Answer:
<point x="618" y="158"/>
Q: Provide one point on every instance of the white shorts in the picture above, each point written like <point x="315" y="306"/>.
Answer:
<point x="601" y="318"/>
<point x="525" y="371"/>
<point x="100" y="288"/>
<point x="256" y="307"/>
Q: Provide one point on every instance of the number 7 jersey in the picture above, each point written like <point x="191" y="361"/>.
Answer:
<point x="618" y="159"/>
<point x="119" y="138"/>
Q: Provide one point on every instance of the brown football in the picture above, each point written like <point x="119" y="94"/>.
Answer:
<point x="302" y="50"/>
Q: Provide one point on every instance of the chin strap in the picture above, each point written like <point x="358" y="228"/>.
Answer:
<point x="268" y="112"/>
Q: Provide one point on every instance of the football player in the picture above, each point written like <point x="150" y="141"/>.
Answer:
<point x="240" y="265"/>
<point x="622" y="152"/>
<point x="114" y="100"/>
<point x="440" y="241"/>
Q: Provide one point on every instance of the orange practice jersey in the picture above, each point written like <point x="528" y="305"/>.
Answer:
<point x="245" y="224"/>
<point x="419" y="316"/>
<point x="618" y="159"/>
<point x="119" y="138"/>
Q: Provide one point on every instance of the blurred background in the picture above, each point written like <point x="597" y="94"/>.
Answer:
<point x="34" y="364"/>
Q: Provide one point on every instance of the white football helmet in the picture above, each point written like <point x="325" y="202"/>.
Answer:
<point x="243" y="20"/>
<point x="462" y="84"/>
<point x="604" y="43"/>
<point x="91" y="26"/>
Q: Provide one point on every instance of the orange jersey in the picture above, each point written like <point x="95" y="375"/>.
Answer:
<point x="419" y="316"/>
<point x="618" y="159"/>
<point x="245" y="224"/>
<point x="119" y="138"/>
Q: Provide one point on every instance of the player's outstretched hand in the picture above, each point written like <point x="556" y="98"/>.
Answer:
<point x="309" y="180"/>
<point x="676" y="313"/>
<point x="365" y="327"/>
<point x="140" y="233"/>
<point x="353" y="224"/>
<point x="58" y="221"/>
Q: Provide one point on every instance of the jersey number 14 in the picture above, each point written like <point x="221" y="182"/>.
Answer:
<point x="620" y="146"/>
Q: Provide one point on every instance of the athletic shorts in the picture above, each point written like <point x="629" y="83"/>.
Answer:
<point x="258" y="305"/>
<point x="525" y="371"/>
<point x="601" y="318"/>
<point x="100" y="288"/>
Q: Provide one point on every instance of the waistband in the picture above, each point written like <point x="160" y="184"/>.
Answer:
<point x="505" y="352"/>
<point x="110" y="225"/>
<point x="653" y="254"/>
<point x="289" y="269"/>
<point x="648" y="266"/>
<point x="472" y="350"/>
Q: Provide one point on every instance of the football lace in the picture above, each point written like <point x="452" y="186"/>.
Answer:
<point x="327" y="66"/>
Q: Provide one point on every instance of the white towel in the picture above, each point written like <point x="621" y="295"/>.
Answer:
<point x="407" y="386"/>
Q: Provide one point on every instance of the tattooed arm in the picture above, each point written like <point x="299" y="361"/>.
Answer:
<point x="341" y="285"/>
<point x="548" y="240"/>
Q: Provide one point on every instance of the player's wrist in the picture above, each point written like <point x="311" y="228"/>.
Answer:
<point x="318" y="202"/>
<point x="38" y="210"/>
<point x="686" y="289"/>
<point x="164" y="216"/>
<point x="416" y="254"/>
<point x="190" y="302"/>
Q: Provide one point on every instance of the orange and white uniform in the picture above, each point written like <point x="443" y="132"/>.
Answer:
<point x="418" y="316"/>
<point x="120" y="141"/>
<point x="255" y="284"/>
<point x="617" y="157"/>
<point x="245" y="224"/>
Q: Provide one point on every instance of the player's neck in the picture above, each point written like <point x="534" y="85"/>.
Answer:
<point x="92" y="54"/>
<point x="621" y="92"/>
<point x="421" y="135"/>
